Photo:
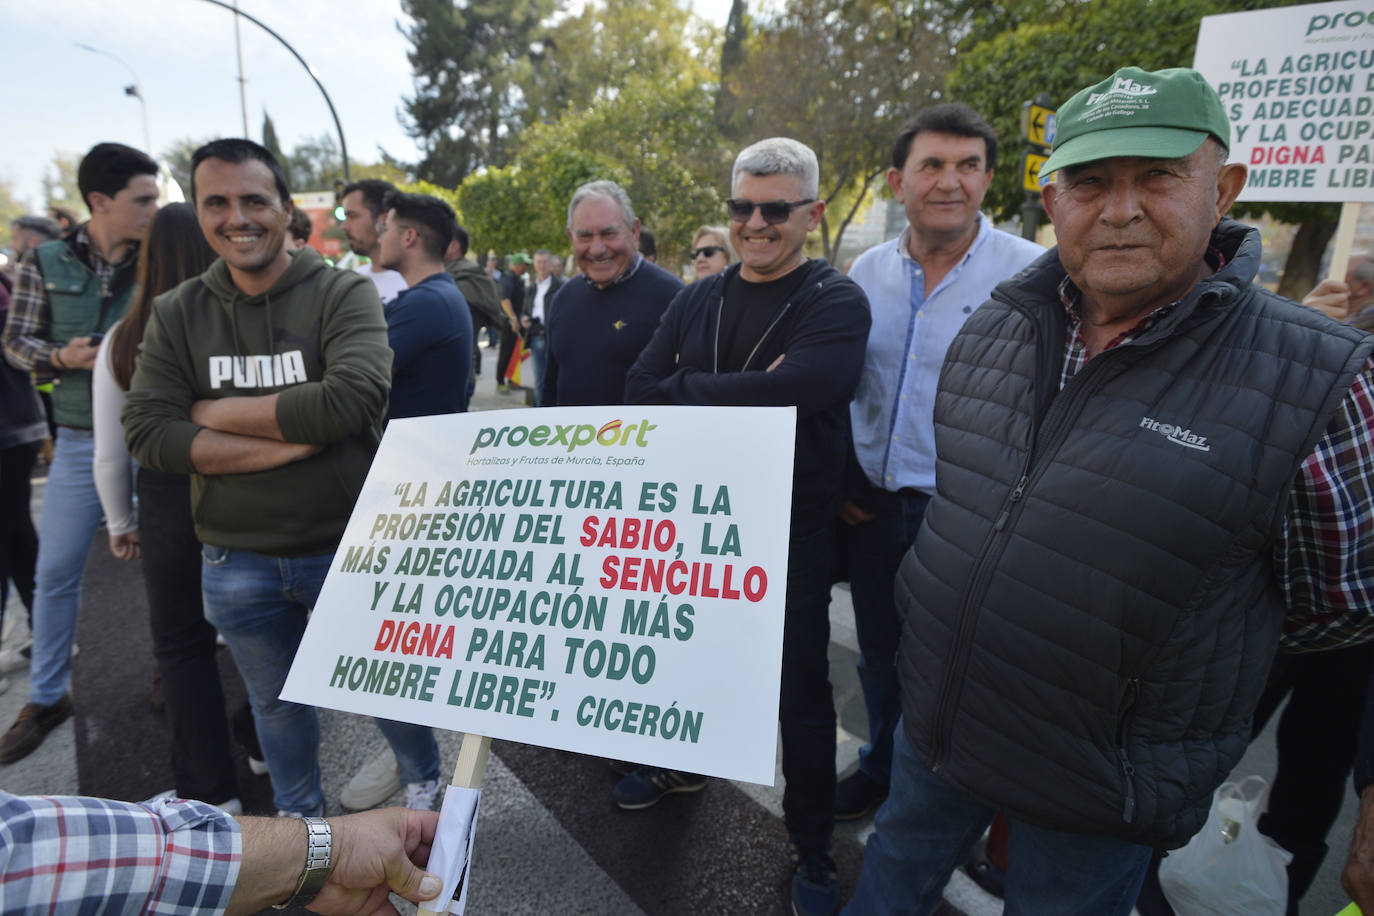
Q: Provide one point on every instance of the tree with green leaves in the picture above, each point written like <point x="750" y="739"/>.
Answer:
<point x="732" y="56"/>
<point x="841" y="76"/>
<point x="466" y="58"/>
<point x="523" y="206"/>
<point x="10" y="209"/>
<point x="269" y="140"/>
<point x="591" y="56"/>
<point x="177" y="156"/>
<point x="59" y="185"/>
<point x="658" y="142"/>
<point x="1081" y="44"/>
<point x="315" y="164"/>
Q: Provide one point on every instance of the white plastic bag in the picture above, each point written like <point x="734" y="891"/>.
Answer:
<point x="1229" y="868"/>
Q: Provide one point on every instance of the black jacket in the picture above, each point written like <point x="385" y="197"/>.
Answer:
<point x="821" y="332"/>
<point x="538" y="326"/>
<point x="1090" y="607"/>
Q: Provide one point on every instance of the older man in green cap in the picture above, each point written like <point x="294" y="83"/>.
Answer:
<point x="1149" y="470"/>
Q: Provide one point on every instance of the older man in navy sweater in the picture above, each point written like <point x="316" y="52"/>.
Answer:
<point x="599" y="323"/>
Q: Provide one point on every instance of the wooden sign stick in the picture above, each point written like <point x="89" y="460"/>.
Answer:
<point x="468" y="773"/>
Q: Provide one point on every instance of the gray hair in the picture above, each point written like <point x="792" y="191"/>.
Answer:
<point x="780" y="156"/>
<point x="604" y="189"/>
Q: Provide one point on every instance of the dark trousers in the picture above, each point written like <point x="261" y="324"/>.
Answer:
<point x="183" y="642"/>
<point x="874" y="550"/>
<point x="508" y="339"/>
<point x="1317" y="736"/>
<point x="806" y="708"/>
<point x="18" y="538"/>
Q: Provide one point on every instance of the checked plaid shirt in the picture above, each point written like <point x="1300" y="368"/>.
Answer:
<point x="29" y="328"/>
<point x="91" y="855"/>
<point x="1324" y="557"/>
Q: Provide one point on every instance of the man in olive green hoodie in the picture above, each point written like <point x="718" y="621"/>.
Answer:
<point x="266" y="379"/>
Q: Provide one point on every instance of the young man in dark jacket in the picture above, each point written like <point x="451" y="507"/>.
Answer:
<point x="780" y="329"/>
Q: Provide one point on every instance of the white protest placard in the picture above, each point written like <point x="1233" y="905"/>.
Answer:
<point x="1298" y="86"/>
<point x="606" y="580"/>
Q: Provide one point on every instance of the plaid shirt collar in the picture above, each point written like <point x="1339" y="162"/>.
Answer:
<point x="623" y="278"/>
<point x="1076" y="348"/>
<point x="85" y="250"/>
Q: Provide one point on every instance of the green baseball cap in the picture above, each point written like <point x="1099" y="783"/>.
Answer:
<point x="1165" y="114"/>
<point x="520" y="258"/>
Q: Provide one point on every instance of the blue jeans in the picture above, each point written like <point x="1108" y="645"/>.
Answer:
<point x="806" y="707"/>
<point x="539" y="355"/>
<point x="925" y="830"/>
<point x="71" y="513"/>
<point x="417" y="753"/>
<point x="260" y="604"/>
<point x="875" y="550"/>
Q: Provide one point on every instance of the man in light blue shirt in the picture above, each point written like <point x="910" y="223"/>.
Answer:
<point x="922" y="286"/>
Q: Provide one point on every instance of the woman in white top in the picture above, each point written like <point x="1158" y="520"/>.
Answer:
<point x="174" y="250"/>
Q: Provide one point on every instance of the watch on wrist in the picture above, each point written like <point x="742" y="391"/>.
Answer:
<point x="319" y="848"/>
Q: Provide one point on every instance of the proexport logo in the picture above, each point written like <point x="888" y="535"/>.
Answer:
<point x="1349" y="19"/>
<point x="572" y="436"/>
<point x="1176" y="434"/>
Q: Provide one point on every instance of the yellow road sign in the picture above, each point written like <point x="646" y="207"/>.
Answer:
<point x="1030" y="171"/>
<point x="1037" y="124"/>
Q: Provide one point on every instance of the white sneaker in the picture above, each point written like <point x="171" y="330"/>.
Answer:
<point x="14" y="659"/>
<point x="421" y="796"/>
<point x="19" y="657"/>
<point x="373" y="784"/>
<point x="257" y="767"/>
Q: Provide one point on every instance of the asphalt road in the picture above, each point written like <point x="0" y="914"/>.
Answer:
<point x="549" y="837"/>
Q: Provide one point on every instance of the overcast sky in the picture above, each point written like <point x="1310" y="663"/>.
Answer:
<point x="63" y="98"/>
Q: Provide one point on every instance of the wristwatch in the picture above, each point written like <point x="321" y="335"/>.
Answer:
<point x="319" y="847"/>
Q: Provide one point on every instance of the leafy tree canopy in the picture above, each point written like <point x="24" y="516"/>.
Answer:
<point x="841" y="76"/>
<point x="1060" y="48"/>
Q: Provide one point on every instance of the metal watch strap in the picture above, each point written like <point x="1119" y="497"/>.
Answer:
<point x="319" y="847"/>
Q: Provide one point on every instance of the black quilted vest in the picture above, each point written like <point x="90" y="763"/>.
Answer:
<point x="1090" y="611"/>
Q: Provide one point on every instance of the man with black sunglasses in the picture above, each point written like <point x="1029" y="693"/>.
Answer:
<point x="781" y="329"/>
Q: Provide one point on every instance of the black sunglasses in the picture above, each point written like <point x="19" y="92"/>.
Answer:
<point x="707" y="251"/>
<point x="774" y="211"/>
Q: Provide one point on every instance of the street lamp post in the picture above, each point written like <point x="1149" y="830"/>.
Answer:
<point x="343" y="144"/>
<point x="134" y="89"/>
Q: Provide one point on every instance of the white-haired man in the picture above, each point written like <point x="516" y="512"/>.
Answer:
<point x="599" y="322"/>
